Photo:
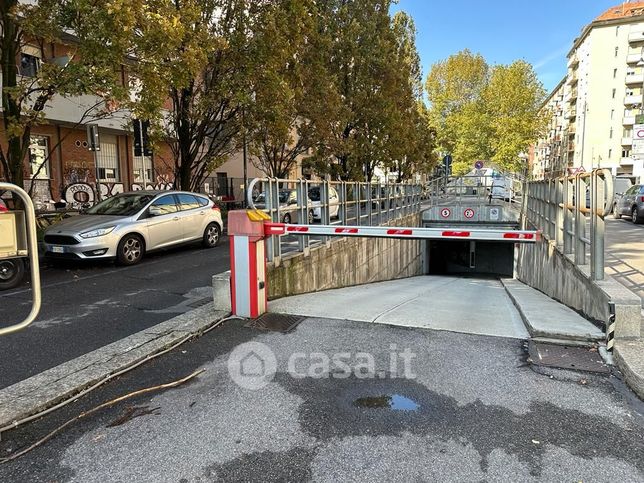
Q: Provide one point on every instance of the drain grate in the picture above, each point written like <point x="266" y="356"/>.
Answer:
<point x="275" y="322"/>
<point x="567" y="357"/>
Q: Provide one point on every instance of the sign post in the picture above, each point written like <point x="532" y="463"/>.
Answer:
<point x="94" y="145"/>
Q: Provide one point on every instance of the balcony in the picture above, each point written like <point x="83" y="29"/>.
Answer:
<point x="627" y="141"/>
<point x="628" y="120"/>
<point x="631" y="99"/>
<point x="573" y="94"/>
<point x="572" y="78"/>
<point x="571" y="146"/>
<point x="627" y="161"/>
<point x="571" y="113"/>
<point x="572" y="129"/>
<point x="634" y="79"/>
<point x="634" y="57"/>
<point x="634" y="37"/>
<point x="573" y="60"/>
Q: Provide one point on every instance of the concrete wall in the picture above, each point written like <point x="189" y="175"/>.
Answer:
<point x="347" y="261"/>
<point x="546" y="268"/>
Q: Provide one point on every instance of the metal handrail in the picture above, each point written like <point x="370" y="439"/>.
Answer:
<point x="359" y="203"/>
<point x="558" y="207"/>
<point x="32" y="245"/>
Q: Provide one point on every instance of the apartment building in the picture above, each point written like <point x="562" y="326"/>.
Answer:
<point x="603" y="93"/>
<point x="549" y="156"/>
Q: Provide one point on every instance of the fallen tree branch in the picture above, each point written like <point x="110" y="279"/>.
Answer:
<point x="104" y="405"/>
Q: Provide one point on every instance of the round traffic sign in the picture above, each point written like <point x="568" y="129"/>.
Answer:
<point x="469" y="213"/>
<point x="478" y="164"/>
<point x="446" y="212"/>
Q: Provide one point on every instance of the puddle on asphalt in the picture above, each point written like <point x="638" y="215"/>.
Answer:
<point x="395" y="402"/>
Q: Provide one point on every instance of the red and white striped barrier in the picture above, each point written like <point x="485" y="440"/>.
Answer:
<point x="514" y="236"/>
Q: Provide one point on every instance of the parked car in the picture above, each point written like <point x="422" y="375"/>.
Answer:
<point x="500" y="190"/>
<point x="287" y="204"/>
<point x="620" y="186"/>
<point x="128" y="225"/>
<point x="334" y="202"/>
<point x="12" y="270"/>
<point x="631" y="204"/>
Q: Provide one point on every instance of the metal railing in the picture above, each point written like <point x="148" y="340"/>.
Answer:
<point x="559" y="207"/>
<point x="328" y="203"/>
<point x="31" y="252"/>
<point x="474" y="188"/>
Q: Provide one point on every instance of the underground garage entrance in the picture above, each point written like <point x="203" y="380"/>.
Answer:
<point x="448" y="257"/>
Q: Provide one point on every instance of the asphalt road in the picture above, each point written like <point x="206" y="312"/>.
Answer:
<point x="472" y="408"/>
<point x="625" y="254"/>
<point x="86" y="306"/>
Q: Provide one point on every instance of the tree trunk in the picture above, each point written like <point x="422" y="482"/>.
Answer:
<point x="10" y="46"/>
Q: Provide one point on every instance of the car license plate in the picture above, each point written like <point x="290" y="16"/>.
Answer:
<point x="58" y="249"/>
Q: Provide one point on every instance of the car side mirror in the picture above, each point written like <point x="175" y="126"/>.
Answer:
<point x="155" y="210"/>
<point x="292" y="202"/>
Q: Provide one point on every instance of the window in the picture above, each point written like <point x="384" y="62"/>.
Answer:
<point x="626" y="153"/>
<point x="610" y="153"/>
<point x="187" y="202"/>
<point x="143" y="166"/>
<point x="39" y="157"/>
<point x="612" y="113"/>
<point x="29" y="65"/>
<point x="107" y="162"/>
<point x="614" y="73"/>
<point x="610" y="133"/>
<point x="614" y="93"/>
<point x="616" y="31"/>
<point x="166" y="204"/>
<point x="616" y="50"/>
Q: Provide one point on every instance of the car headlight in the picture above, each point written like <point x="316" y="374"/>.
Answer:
<point x="98" y="232"/>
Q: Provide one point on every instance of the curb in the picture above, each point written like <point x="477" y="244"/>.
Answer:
<point x="65" y="381"/>
<point x="629" y="355"/>
<point x="550" y="336"/>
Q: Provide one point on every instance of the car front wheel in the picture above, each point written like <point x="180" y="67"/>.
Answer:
<point x="211" y="235"/>
<point x="130" y="250"/>
<point x="635" y="216"/>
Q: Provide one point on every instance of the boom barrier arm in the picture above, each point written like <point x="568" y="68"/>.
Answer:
<point x="514" y="236"/>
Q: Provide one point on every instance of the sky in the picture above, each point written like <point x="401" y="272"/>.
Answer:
<point x="540" y="32"/>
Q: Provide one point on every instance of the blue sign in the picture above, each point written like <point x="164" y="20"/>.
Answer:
<point x="447" y="160"/>
<point x="478" y="164"/>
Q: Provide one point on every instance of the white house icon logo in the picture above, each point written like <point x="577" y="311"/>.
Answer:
<point x="252" y="365"/>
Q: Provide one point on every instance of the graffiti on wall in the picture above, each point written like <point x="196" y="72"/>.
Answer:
<point x="80" y="194"/>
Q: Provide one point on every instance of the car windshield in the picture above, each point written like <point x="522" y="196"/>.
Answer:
<point x="284" y="196"/>
<point x="314" y="194"/>
<point x="121" y="205"/>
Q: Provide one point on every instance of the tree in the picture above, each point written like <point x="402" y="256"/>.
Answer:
<point x="290" y="86"/>
<point x="87" y="62"/>
<point x="512" y="101"/>
<point x="484" y="113"/>
<point x="198" y="72"/>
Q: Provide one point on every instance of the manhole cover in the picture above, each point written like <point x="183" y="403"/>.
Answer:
<point x="275" y="322"/>
<point x="567" y="357"/>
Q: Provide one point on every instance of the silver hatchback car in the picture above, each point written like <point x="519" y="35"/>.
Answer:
<point x="631" y="204"/>
<point x="128" y="225"/>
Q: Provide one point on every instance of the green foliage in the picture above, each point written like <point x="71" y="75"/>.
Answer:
<point x="482" y="112"/>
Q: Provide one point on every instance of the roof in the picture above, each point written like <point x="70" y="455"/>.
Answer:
<point x="623" y="10"/>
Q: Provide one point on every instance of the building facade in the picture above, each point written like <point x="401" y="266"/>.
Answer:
<point x="549" y="156"/>
<point x="603" y="94"/>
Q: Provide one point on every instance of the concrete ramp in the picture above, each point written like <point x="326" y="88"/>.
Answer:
<point x="458" y="304"/>
<point x="547" y="318"/>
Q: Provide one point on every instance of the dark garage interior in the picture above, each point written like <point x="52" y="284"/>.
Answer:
<point x="447" y="257"/>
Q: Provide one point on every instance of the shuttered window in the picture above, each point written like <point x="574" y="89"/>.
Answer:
<point x="107" y="161"/>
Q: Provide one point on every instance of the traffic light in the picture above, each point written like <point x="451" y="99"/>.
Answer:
<point x="141" y="138"/>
